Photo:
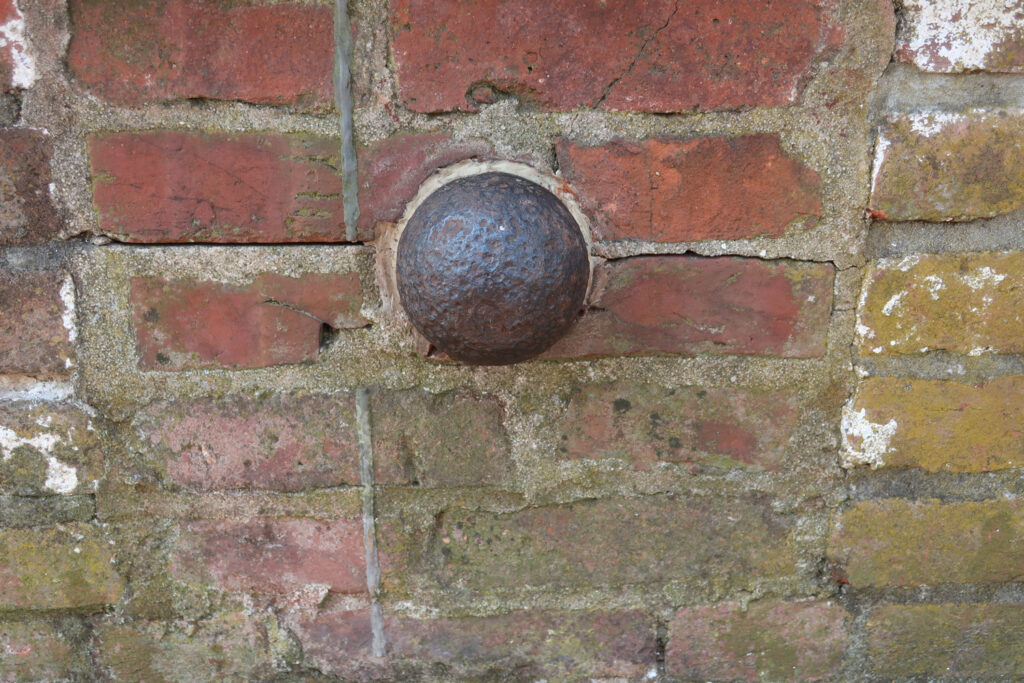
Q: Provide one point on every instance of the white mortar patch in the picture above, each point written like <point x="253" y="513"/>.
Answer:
<point x="982" y="277"/>
<point x="9" y="440"/>
<point x="60" y="478"/>
<point x="958" y="35"/>
<point x="864" y="442"/>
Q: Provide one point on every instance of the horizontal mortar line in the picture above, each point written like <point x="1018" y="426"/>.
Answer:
<point x="914" y="485"/>
<point x="941" y="365"/>
<point x="997" y="593"/>
<point x="903" y="89"/>
<point x="906" y="238"/>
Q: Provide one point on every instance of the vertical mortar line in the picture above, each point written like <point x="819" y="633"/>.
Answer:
<point x="344" y="103"/>
<point x="363" y="436"/>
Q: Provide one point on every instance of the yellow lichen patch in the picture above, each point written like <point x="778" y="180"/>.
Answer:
<point x="963" y="303"/>
<point x="943" y="425"/>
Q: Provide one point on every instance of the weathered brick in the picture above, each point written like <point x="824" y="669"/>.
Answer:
<point x="336" y="640"/>
<point x="68" y="567"/>
<point x="37" y="322"/>
<point x="936" y="425"/>
<point x="165" y="50"/>
<point x="26" y="214"/>
<point x="607" y="542"/>
<point x="654" y="56"/>
<point x="767" y="640"/>
<point x="275" y="320"/>
<point x="895" y="542"/>
<point x="962" y="303"/>
<point x="962" y="35"/>
<point x="284" y="442"/>
<point x="670" y="190"/>
<point x="963" y="641"/>
<point x="273" y="556"/>
<point x="563" y="645"/>
<point x="448" y="439"/>
<point x="231" y="646"/>
<point x="644" y="424"/>
<point x="17" y="61"/>
<point x="691" y="305"/>
<point x="35" y="651"/>
<point x="391" y="172"/>
<point x="48" y="448"/>
<point x="172" y="186"/>
<point x="943" y="166"/>
<point x="29" y="511"/>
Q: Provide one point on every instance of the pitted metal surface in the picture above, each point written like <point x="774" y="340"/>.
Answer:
<point x="492" y="269"/>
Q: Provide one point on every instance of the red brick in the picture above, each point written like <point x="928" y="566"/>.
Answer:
<point x="766" y="640"/>
<point x="655" y="56"/>
<point x="902" y="543"/>
<point x="68" y="567"/>
<point x="48" y="448"/>
<point x="391" y="172"/>
<point x="35" y="651"/>
<point x="563" y="645"/>
<point x="165" y="50"/>
<point x="692" y="305"/>
<point x="34" y="328"/>
<point x="945" y="166"/>
<point x="948" y="641"/>
<point x="17" y="63"/>
<point x="670" y="190"/>
<point x="449" y="439"/>
<point x="231" y="646"/>
<point x="275" y="320"/>
<point x="337" y="640"/>
<point x="954" y="36"/>
<point x="273" y="556"/>
<point x="936" y="425"/>
<point x="285" y="442"/>
<point x="644" y="424"/>
<point x="961" y="303"/>
<point x="597" y="542"/>
<point x="26" y="214"/>
<point x="170" y="186"/>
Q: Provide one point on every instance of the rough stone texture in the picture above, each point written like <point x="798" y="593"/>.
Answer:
<point x="693" y="305"/>
<point x="35" y="651"/>
<point x="48" y="448"/>
<point x="165" y="50"/>
<point x="936" y="425"/>
<point x="391" y="172"/>
<point x="902" y="543"/>
<point x="183" y="324"/>
<point x="533" y="644"/>
<point x="27" y="215"/>
<point x="643" y="424"/>
<point x="34" y="329"/>
<point x="32" y="511"/>
<point x="949" y="166"/>
<point x="171" y="186"/>
<point x="231" y="646"/>
<point x="962" y="303"/>
<point x="68" y="567"/>
<point x="670" y="190"/>
<point x="970" y="641"/>
<point x="656" y="56"/>
<point x="766" y="640"/>
<point x="273" y="556"/>
<point x="450" y="439"/>
<point x="962" y="35"/>
<point x="283" y="442"/>
<point x="611" y="541"/>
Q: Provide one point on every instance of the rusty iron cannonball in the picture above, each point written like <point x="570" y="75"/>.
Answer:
<point x="492" y="269"/>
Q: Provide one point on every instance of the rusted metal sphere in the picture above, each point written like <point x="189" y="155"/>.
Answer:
<point x="492" y="269"/>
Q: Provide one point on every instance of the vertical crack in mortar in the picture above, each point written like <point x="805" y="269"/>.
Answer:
<point x="369" y="527"/>
<point x="343" y="100"/>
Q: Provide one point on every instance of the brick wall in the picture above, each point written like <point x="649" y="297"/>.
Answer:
<point x="783" y="442"/>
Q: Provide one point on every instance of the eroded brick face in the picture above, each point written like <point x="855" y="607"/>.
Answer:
<point x="654" y="56"/>
<point x="27" y="215"/>
<point x="165" y="50"/>
<point x="37" y="326"/>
